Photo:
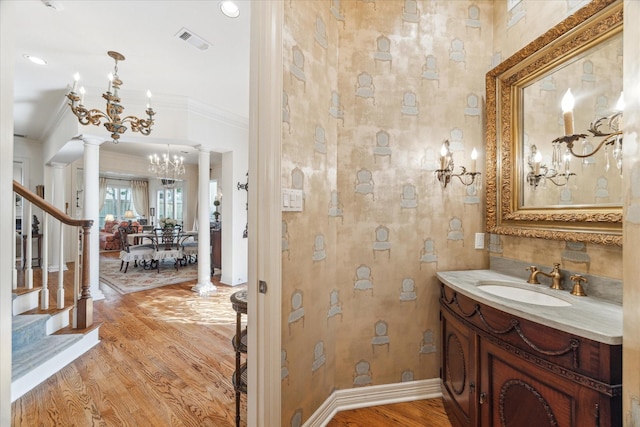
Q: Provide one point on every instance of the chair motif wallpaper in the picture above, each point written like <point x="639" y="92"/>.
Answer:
<point x="371" y="89"/>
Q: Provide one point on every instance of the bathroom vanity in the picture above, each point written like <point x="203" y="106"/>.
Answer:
<point x="516" y="354"/>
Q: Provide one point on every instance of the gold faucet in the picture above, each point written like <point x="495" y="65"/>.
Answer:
<point x="556" y="277"/>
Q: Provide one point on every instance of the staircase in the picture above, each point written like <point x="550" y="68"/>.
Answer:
<point x="50" y="327"/>
<point x="43" y="343"/>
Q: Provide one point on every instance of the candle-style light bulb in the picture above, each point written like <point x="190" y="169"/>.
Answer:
<point x="76" y="79"/>
<point x="474" y="157"/>
<point x="536" y="161"/>
<point x="148" y="99"/>
<point x="567" y="112"/>
<point x="443" y="156"/>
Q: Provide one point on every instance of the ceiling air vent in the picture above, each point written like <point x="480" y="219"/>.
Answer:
<point x="193" y="39"/>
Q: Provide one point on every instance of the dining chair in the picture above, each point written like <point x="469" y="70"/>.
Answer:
<point x="189" y="247"/>
<point x="135" y="253"/>
<point x="167" y="245"/>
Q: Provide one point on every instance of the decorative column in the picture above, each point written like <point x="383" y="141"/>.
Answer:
<point x="204" y="285"/>
<point x="91" y="209"/>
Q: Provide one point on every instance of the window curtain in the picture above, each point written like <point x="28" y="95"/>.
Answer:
<point x="140" y="197"/>
<point x="102" y="191"/>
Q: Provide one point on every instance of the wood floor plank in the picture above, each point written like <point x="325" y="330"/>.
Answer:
<point x="419" y="413"/>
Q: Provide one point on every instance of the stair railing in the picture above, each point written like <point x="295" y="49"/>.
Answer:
<point x="82" y="300"/>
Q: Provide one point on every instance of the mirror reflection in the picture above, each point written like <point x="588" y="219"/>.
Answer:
<point x="568" y="100"/>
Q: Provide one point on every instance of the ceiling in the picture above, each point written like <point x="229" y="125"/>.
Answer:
<point x="74" y="36"/>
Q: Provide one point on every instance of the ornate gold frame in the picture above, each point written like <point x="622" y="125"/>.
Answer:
<point x="591" y="24"/>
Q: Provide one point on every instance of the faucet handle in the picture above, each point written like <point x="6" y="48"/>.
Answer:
<point x="532" y="268"/>
<point x="556" y="266"/>
<point x="577" y="285"/>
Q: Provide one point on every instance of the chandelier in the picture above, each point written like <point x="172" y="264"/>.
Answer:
<point x="113" y="122"/>
<point x="167" y="169"/>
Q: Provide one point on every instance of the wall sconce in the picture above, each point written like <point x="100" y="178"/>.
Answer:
<point x="540" y="173"/>
<point x="445" y="173"/>
<point x="611" y="137"/>
<point x="245" y="186"/>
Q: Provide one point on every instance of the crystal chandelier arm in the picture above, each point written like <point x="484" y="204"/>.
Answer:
<point x="610" y="139"/>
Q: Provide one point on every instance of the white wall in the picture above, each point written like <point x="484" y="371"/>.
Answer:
<point x="7" y="232"/>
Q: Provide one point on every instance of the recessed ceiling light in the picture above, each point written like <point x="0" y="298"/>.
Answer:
<point x="35" y="59"/>
<point x="229" y="9"/>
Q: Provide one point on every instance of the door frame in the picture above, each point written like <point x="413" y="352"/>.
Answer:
<point x="265" y="215"/>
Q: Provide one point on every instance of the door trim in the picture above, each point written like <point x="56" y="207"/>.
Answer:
<point x="265" y="215"/>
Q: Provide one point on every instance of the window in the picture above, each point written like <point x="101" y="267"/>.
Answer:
<point x="117" y="200"/>
<point x="169" y="203"/>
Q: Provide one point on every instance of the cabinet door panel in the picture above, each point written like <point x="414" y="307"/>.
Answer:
<point x="458" y="371"/>
<point x="522" y="394"/>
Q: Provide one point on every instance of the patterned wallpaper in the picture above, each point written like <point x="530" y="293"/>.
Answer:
<point x="371" y="91"/>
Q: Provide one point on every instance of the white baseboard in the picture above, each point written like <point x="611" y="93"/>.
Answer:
<point x="363" y="397"/>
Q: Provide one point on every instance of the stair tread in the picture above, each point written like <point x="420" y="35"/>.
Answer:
<point x="25" y="320"/>
<point x="21" y="290"/>
<point x="34" y="354"/>
<point x="50" y="311"/>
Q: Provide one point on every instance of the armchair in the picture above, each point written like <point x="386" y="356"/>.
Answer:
<point x="110" y="236"/>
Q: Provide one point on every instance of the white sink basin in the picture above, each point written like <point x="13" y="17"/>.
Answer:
<point x="524" y="295"/>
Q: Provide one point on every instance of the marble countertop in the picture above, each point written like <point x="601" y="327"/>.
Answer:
<point x="586" y="317"/>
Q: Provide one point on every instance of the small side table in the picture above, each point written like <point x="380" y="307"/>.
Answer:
<point x="239" y="341"/>
<point x="38" y="246"/>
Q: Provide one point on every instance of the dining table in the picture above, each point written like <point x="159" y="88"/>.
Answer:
<point x="138" y="238"/>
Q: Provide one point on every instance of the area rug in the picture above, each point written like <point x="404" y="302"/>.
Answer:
<point x="137" y="279"/>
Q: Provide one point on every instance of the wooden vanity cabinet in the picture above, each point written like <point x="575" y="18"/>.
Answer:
<point x="502" y="370"/>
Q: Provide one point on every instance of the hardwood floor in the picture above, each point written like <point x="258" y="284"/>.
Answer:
<point x="421" y="413"/>
<point x="165" y="359"/>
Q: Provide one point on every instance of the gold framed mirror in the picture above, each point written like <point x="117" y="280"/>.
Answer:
<point x="512" y="140"/>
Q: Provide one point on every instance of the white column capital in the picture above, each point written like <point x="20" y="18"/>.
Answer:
<point x="92" y="140"/>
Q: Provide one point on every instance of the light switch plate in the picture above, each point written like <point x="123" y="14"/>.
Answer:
<point x="291" y="200"/>
<point x="479" y="241"/>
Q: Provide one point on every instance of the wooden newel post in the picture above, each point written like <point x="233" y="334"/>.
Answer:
<point x="85" y="303"/>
